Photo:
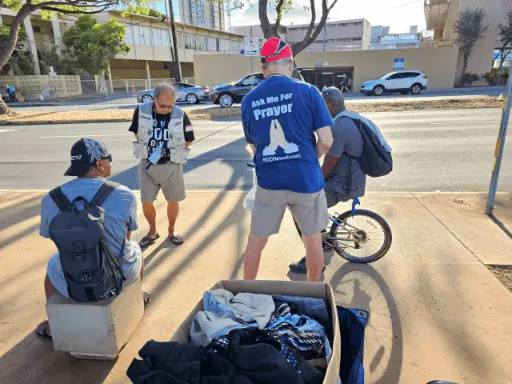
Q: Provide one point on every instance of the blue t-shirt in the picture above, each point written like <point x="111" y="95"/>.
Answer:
<point x="120" y="213"/>
<point x="280" y="117"/>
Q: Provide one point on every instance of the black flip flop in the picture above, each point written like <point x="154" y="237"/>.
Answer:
<point x="176" y="239"/>
<point x="145" y="298"/>
<point x="148" y="240"/>
<point x="42" y="330"/>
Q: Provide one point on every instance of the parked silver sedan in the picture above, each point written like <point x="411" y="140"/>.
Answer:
<point x="189" y="93"/>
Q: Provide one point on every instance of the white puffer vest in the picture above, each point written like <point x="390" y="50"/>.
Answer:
<point x="177" y="145"/>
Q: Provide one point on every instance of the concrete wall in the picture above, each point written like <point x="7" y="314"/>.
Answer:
<point x="438" y="63"/>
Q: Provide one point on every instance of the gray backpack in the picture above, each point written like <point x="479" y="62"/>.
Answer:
<point x="91" y="269"/>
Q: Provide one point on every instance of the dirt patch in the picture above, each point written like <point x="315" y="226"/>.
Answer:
<point x="213" y="113"/>
<point x="458" y="103"/>
<point x="503" y="273"/>
<point x="68" y="117"/>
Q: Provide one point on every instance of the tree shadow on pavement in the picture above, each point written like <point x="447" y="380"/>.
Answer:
<point x="361" y="286"/>
<point x="236" y="149"/>
<point x="33" y="360"/>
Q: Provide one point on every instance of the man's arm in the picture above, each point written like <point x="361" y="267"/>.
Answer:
<point x="324" y="141"/>
<point x="253" y="148"/>
<point x="328" y="165"/>
<point x="135" y="123"/>
<point x="188" y="129"/>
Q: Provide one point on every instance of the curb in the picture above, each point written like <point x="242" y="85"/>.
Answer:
<point x="43" y="122"/>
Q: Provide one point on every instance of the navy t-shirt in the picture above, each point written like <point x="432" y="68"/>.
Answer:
<point x="280" y="117"/>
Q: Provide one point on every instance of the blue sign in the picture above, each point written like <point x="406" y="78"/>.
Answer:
<point x="398" y="64"/>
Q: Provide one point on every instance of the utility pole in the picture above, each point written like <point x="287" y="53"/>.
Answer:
<point x="176" y="61"/>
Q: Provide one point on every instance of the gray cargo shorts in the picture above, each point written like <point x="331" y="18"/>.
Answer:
<point x="167" y="177"/>
<point x="309" y="210"/>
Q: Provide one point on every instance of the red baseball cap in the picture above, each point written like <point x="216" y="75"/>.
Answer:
<point x="275" y="49"/>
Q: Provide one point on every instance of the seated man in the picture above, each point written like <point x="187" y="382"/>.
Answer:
<point x="344" y="179"/>
<point x="91" y="163"/>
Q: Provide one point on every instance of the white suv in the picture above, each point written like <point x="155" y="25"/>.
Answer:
<point x="402" y="81"/>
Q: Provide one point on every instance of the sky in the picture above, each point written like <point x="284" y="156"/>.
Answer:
<point x="398" y="14"/>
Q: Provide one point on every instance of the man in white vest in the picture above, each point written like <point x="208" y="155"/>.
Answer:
<point x="163" y="134"/>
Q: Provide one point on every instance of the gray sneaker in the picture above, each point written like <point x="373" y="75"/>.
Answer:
<point x="300" y="267"/>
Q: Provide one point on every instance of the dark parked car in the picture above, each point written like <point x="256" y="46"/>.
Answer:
<point x="227" y="94"/>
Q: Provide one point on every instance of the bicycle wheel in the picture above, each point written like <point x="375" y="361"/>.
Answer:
<point x="362" y="238"/>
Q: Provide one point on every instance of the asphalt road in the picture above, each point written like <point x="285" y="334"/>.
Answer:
<point x="121" y="101"/>
<point x="432" y="150"/>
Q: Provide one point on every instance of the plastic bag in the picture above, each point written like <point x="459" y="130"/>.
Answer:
<point x="251" y="196"/>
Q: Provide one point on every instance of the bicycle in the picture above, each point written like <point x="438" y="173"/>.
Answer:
<point x="359" y="231"/>
<point x="354" y="231"/>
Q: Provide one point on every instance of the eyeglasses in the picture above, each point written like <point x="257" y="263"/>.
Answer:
<point x="163" y="106"/>
<point x="109" y="158"/>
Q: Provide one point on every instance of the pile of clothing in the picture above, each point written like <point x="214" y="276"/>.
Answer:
<point x="244" y="338"/>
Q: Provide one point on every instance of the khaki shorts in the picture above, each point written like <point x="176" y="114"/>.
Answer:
<point x="308" y="209"/>
<point x="168" y="177"/>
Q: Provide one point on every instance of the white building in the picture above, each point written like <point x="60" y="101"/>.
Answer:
<point x="203" y="13"/>
<point x="148" y="38"/>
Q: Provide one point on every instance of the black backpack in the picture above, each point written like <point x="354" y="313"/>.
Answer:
<point x="91" y="269"/>
<point x="375" y="160"/>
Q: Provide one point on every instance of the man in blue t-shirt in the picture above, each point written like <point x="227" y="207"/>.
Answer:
<point x="281" y="117"/>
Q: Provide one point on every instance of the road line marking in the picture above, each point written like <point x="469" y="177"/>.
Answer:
<point x="463" y="122"/>
<point x="7" y="130"/>
<point x="80" y="136"/>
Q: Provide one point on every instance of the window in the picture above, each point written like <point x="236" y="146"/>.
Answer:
<point x="128" y="36"/>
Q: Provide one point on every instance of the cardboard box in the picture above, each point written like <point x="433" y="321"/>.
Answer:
<point x="289" y="288"/>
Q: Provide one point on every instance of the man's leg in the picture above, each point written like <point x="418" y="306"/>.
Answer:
<point x="149" y="189"/>
<point x="149" y="210"/>
<point x="314" y="256"/>
<point x="173" y="210"/>
<point x="310" y="217"/>
<point x="252" y="256"/>
<point x="49" y="288"/>
<point x="173" y="187"/>
<point x="266" y="218"/>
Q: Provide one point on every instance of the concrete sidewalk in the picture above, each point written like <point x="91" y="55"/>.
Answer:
<point x="436" y="310"/>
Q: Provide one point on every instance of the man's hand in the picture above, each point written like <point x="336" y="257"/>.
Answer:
<point x="324" y="141"/>
<point x="188" y="144"/>
<point x="328" y="165"/>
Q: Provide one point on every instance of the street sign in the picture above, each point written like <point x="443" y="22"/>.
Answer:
<point x="398" y="64"/>
<point x="251" y="46"/>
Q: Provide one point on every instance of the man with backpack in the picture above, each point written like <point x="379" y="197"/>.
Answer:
<point x="90" y="220"/>
<point x="358" y="150"/>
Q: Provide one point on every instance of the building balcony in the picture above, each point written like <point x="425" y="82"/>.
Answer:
<point x="436" y="14"/>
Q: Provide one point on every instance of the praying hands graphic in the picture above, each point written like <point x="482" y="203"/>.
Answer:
<point x="277" y="139"/>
